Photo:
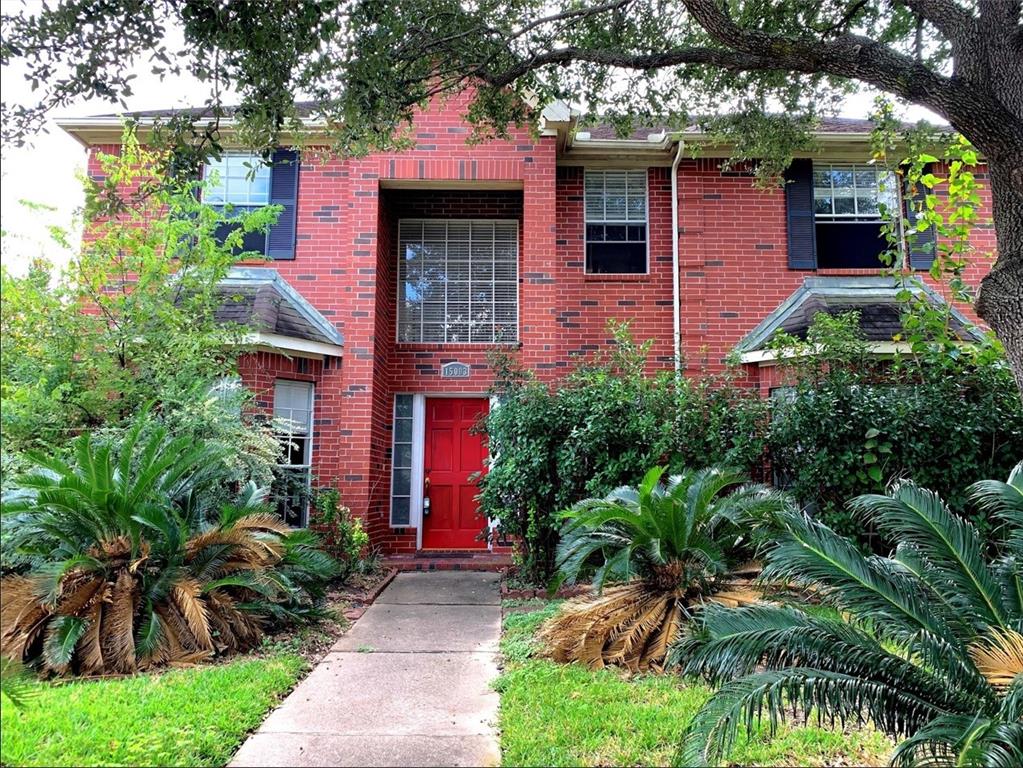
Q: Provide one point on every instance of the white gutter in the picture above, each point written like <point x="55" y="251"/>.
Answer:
<point x="676" y="304"/>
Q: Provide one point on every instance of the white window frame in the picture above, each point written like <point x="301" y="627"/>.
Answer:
<point x="282" y="435"/>
<point x="219" y="181"/>
<point x="494" y="282"/>
<point x="890" y="195"/>
<point x="646" y="218"/>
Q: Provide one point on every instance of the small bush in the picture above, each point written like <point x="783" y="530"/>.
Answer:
<point x="135" y="570"/>
<point x="345" y="538"/>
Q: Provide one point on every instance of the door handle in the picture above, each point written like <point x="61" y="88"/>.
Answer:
<point x="426" y="497"/>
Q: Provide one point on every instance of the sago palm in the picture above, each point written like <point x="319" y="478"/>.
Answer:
<point x="926" y="643"/>
<point x="669" y="546"/>
<point x="136" y="575"/>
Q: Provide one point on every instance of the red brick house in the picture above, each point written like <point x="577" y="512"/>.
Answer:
<point x="390" y="276"/>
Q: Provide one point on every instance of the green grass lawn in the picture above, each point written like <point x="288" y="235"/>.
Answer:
<point x="557" y="714"/>
<point x="194" y="716"/>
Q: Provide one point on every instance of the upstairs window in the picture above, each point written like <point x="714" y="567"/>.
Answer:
<point x="616" y="222"/>
<point x="293" y="424"/>
<point x="240" y="182"/>
<point x="458" y="281"/>
<point x="847" y="202"/>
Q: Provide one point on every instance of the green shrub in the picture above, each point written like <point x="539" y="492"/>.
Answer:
<point x="345" y="538"/>
<point x="925" y="644"/>
<point x="850" y="424"/>
<point x="600" y="428"/>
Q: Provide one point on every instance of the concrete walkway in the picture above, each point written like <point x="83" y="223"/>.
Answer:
<point x="409" y="685"/>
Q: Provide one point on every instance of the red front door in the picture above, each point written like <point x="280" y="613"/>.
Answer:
<point x="452" y="456"/>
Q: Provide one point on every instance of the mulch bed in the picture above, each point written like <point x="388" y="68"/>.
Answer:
<point x="346" y="603"/>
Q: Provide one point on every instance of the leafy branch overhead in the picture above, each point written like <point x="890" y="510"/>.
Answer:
<point x="364" y="65"/>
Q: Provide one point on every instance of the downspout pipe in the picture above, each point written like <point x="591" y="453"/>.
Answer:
<point x="676" y="304"/>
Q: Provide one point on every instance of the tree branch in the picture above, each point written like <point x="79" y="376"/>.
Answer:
<point x="952" y="20"/>
<point x="731" y="60"/>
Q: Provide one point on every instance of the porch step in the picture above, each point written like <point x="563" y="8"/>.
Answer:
<point x="448" y="561"/>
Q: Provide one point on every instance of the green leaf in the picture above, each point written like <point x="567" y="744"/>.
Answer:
<point x="61" y="640"/>
<point x="875" y="473"/>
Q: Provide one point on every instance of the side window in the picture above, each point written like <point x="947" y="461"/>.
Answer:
<point x="239" y="182"/>
<point x="293" y="424"/>
<point x="616" y="222"/>
<point x="401" y="462"/>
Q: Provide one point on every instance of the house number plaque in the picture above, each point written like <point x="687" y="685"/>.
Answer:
<point x="455" y="370"/>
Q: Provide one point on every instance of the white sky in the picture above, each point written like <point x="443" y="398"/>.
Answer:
<point x="45" y="171"/>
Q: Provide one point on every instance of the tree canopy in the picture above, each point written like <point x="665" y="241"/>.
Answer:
<point x="759" y="71"/>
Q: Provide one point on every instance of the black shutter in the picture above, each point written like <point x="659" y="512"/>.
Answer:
<point x="799" y="214"/>
<point x="921" y="254"/>
<point x="280" y="242"/>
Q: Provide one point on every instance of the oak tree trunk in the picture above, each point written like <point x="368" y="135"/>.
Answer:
<point x="1000" y="303"/>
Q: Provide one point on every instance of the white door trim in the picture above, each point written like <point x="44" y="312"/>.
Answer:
<point x="418" y="449"/>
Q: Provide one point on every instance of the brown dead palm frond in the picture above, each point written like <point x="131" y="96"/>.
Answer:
<point x="243" y="627"/>
<point x="245" y="545"/>
<point x="78" y="591"/>
<point x="631" y="625"/>
<point x="999" y="657"/>
<point x="262" y="522"/>
<point x="670" y="545"/>
<point x="186" y="594"/>
<point x="90" y="646"/>
<point x="117" y="631"/>
<point x="24" y="616"/>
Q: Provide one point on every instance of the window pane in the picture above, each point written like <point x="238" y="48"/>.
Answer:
<point x="866" y="205"/>
<point x="822" y="204"/>
<point x="402" y="482"/>
<point x="841" y="177"/>
<point x="403" y="406"/>
<point x="865" y="179"/>
<point x="290" y="494"/>
<point x="403" y="430"/>
<point x="844" y="205"/>
<point x="615" y="233"/>
<point x="616" y="258"/>
<point x="400" y="511"/>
